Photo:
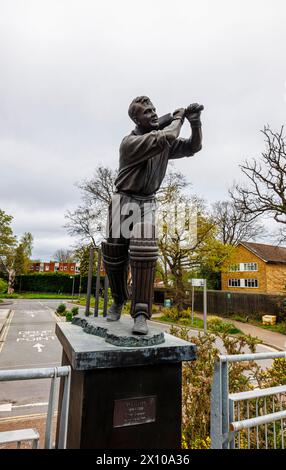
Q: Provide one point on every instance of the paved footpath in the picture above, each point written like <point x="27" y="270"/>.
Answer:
<point x="270" y="338"/>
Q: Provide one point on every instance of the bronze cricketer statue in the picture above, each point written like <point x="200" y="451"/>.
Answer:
<point x="144" y="156"/>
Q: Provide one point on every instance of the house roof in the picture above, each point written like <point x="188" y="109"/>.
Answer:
<point x="268" y="253"/>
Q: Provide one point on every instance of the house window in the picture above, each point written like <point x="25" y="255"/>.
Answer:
<point x="47" y="268"/>
<point x="250" y="267"/>
<point x="234" y="283"/>
<point x="72" y="268"/>
<point x="234" y="267"/>
<point x="65" y="268"/>
<point x="250" y="282"/>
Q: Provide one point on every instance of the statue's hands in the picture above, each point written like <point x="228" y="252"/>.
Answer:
<point x="193" y="112"/>
<point x="179" y="113"/>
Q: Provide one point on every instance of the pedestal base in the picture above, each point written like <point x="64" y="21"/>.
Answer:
<point x="123" y="398"/>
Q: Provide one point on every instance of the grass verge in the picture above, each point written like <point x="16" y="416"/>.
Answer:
<point x="278" y="328"/>
<point x="198" y="323"/>
<point x="32" y="295"/>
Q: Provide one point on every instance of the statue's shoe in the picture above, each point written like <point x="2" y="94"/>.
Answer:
<point x="140" y="325"/>
<point x="114" y="313"/>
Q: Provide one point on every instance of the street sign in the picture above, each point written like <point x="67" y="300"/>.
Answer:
<point x="198" y="282"/>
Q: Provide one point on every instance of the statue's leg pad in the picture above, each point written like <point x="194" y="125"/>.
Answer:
<point x="115" y="258"/>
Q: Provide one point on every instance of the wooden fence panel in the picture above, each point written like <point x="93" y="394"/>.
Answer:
<point x="236" y="303"/>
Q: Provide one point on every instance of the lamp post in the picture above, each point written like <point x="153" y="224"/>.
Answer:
<point x="79" y="288"/>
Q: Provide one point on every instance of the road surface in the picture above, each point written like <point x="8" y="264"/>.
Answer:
<point x="28" y="341"/>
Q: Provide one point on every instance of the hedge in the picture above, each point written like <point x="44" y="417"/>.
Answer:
<point x="53" y="282"/>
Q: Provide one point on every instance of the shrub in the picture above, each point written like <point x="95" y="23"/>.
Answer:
<point x="156" y="308"/>
<point x="241" y="318"/>
<point x="186" y="313"/>
<point x="69" y="315"/>
<point x="274" y="375"/>
<point x="61" y="309"/>
<point x="197" y="381"/>
<point x="170" y="312"/>
<point x="3" y="286"/>
<point x="217" y="325"/>
<point x="127" y="307"/>
<point x="74" y="311"/>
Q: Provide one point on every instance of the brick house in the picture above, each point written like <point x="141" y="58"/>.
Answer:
<point x="256" y="268"/>
<point x="53" y="267"/>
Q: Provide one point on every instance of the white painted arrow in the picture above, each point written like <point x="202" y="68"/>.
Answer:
<point x="39" y="346"/>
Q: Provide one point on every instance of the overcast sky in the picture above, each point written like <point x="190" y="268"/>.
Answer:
<point x="69" y="69"/>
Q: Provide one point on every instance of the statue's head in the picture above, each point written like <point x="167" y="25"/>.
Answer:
<point x="143" y="113"/>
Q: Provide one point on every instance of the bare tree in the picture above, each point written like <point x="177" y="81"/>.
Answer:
<point x="172" y="188"/>
<point x="66" y="256"/>
<point x="88" y="221"/>
<point x="85" y="224"/>
<point x="233" y="225"/>
<point x="265" y="193"/>
<point x="100" y="187"/>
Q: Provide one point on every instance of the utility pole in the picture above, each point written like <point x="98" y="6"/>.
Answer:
<point x="205" y="306"/>
<point x="79" y="287"/>
<point x="72" y="277"/>
<point x="193" y="303"/>
<point x="200" y="283"/>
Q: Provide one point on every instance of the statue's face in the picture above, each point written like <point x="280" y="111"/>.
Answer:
<point x="146" y="117"/>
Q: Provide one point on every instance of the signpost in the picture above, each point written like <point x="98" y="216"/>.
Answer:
<point x="73" y="278"/>
<point x="200" y="283"/>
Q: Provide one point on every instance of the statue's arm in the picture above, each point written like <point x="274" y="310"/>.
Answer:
<point x="136" y="149"/>
<point x="187" y="147"/>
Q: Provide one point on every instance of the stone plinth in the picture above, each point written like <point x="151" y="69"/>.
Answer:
<point x="122" y="396"/>
<point x="118" y="333"/>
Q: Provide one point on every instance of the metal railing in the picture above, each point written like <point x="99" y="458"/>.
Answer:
<point x="252" y="419"/>
<point x="44" y="373"/>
